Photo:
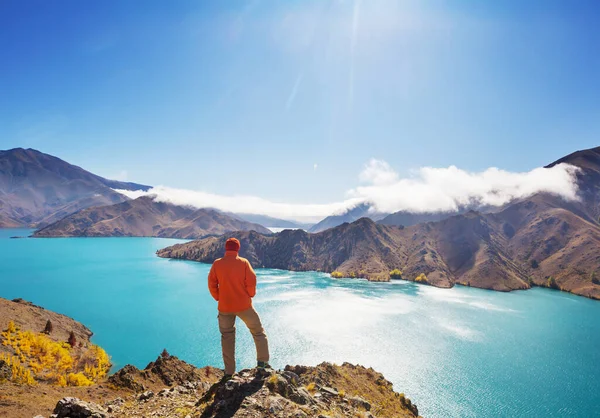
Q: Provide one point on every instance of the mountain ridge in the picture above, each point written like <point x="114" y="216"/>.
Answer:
<point x="37" y="189"/>
<point x="543" y="240"/>
<point x="144" y="217"/>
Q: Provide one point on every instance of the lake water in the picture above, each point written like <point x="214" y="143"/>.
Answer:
<point x="458" y="352"/>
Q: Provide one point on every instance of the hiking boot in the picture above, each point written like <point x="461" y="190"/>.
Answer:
<point x="263" y="365"/>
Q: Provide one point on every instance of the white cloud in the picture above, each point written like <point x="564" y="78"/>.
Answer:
<point x="315" y="166"/>
<point x="426" y="190"/>
<point x="243" y="204"/>
<point x="447" y="189"/>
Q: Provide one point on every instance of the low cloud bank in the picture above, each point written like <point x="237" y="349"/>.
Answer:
<point x="448" y="189"/>
<point x="426" y="190"/>
<point x="244" y="204"/>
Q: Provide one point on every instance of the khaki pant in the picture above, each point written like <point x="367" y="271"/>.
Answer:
<point x="227" y="328"/>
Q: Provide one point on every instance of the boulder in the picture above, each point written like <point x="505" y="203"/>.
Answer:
<point x="76" y="408"/>
<point x="128" y="378"/>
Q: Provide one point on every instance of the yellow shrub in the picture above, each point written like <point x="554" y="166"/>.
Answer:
<point x="337" y="274"/>
<point x="61" y="381"/>
<point x="20" y="374"/>
<point x="52" y="360"/>
<point x="78" y="379"/>
<point x="396" y="274"/>
<point x="311" y="387"/>
<point x="421" y="278"/>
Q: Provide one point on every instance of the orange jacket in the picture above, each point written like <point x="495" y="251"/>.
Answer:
<point x="232" y="282"/>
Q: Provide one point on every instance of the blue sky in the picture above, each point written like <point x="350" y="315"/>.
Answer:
<point x="246" y="97"/>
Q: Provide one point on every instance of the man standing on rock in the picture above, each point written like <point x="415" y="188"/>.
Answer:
<point x="232" y="283"/>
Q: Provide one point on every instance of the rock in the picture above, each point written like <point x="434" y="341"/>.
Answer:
<point x="329" y="391"/>
<point x="173" y="371"/>
<point x="164" y="392"/>
<point x="291" y="377"/>
<point x="115" y="402"/>
<point x="76" y="408"/>
<point x="114" y="405"/>
<point x="301" y="397"/>
<point x="358" y="402"/>
<point x="146" y="395"/>
<point x="127" y="378"/>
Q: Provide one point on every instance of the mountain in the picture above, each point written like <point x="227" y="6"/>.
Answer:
<point x="144" y="217"/>
<point x="404" y="218"/>
<point x="270" y="222"/>
<point x="360" y="211"/>
<point x="588" y="181"/>
<point x="539" y="241"/>
<point x="362" y="247"/>
<point x="37" y="189"/>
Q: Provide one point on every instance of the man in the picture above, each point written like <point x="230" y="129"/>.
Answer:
<point x="232" y="283"/>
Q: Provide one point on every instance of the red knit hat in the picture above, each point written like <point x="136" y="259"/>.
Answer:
<point x="232" y="244"/>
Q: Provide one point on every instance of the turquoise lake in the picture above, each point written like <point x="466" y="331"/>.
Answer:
<point x="458" y="352"/>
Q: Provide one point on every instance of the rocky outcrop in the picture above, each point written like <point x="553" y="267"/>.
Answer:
<point x="165" y="370"/>
<point x="300" y="391"/>
<point x="145" y="217"/>
<point x="327" y="390"/>
<point x="129" y="377"/>
<point x="76" y="408"/>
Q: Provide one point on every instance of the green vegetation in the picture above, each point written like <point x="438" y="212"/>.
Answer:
<point x="396" y="274"/>
<point x="552" y="283"/>
<point x="595" y="278"/>
<point x="534" y="264"/>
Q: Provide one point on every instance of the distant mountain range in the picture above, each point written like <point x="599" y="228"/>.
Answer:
<point x="37" y="189"/>
<point x="540" y="241"/>
<point x="271" y="222"/>
<point x="144" y="217"/>
<point x="360" y="211"/>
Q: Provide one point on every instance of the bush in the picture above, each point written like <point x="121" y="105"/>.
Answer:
<point x="552" y="283"/>
<point x="421" y="278"/>
<point x="337" y="274"/>
<point x="534" y="264"/>
<point x="396" y="274"/>
<point x="78" y="379"/>
<point x="20" y="374"/>
<point x="48" y="328"/>
<point x="53" y="361"/>
<point x="595" y="278"/>
<point x="72" y="340"/>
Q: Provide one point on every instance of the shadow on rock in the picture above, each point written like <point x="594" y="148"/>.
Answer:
<point x="227" y="397"/>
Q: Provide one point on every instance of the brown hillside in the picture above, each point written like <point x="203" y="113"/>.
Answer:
<point x="143" y="217"/>
<point x="37" y="188"/>
<point x="490" y="251"/>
